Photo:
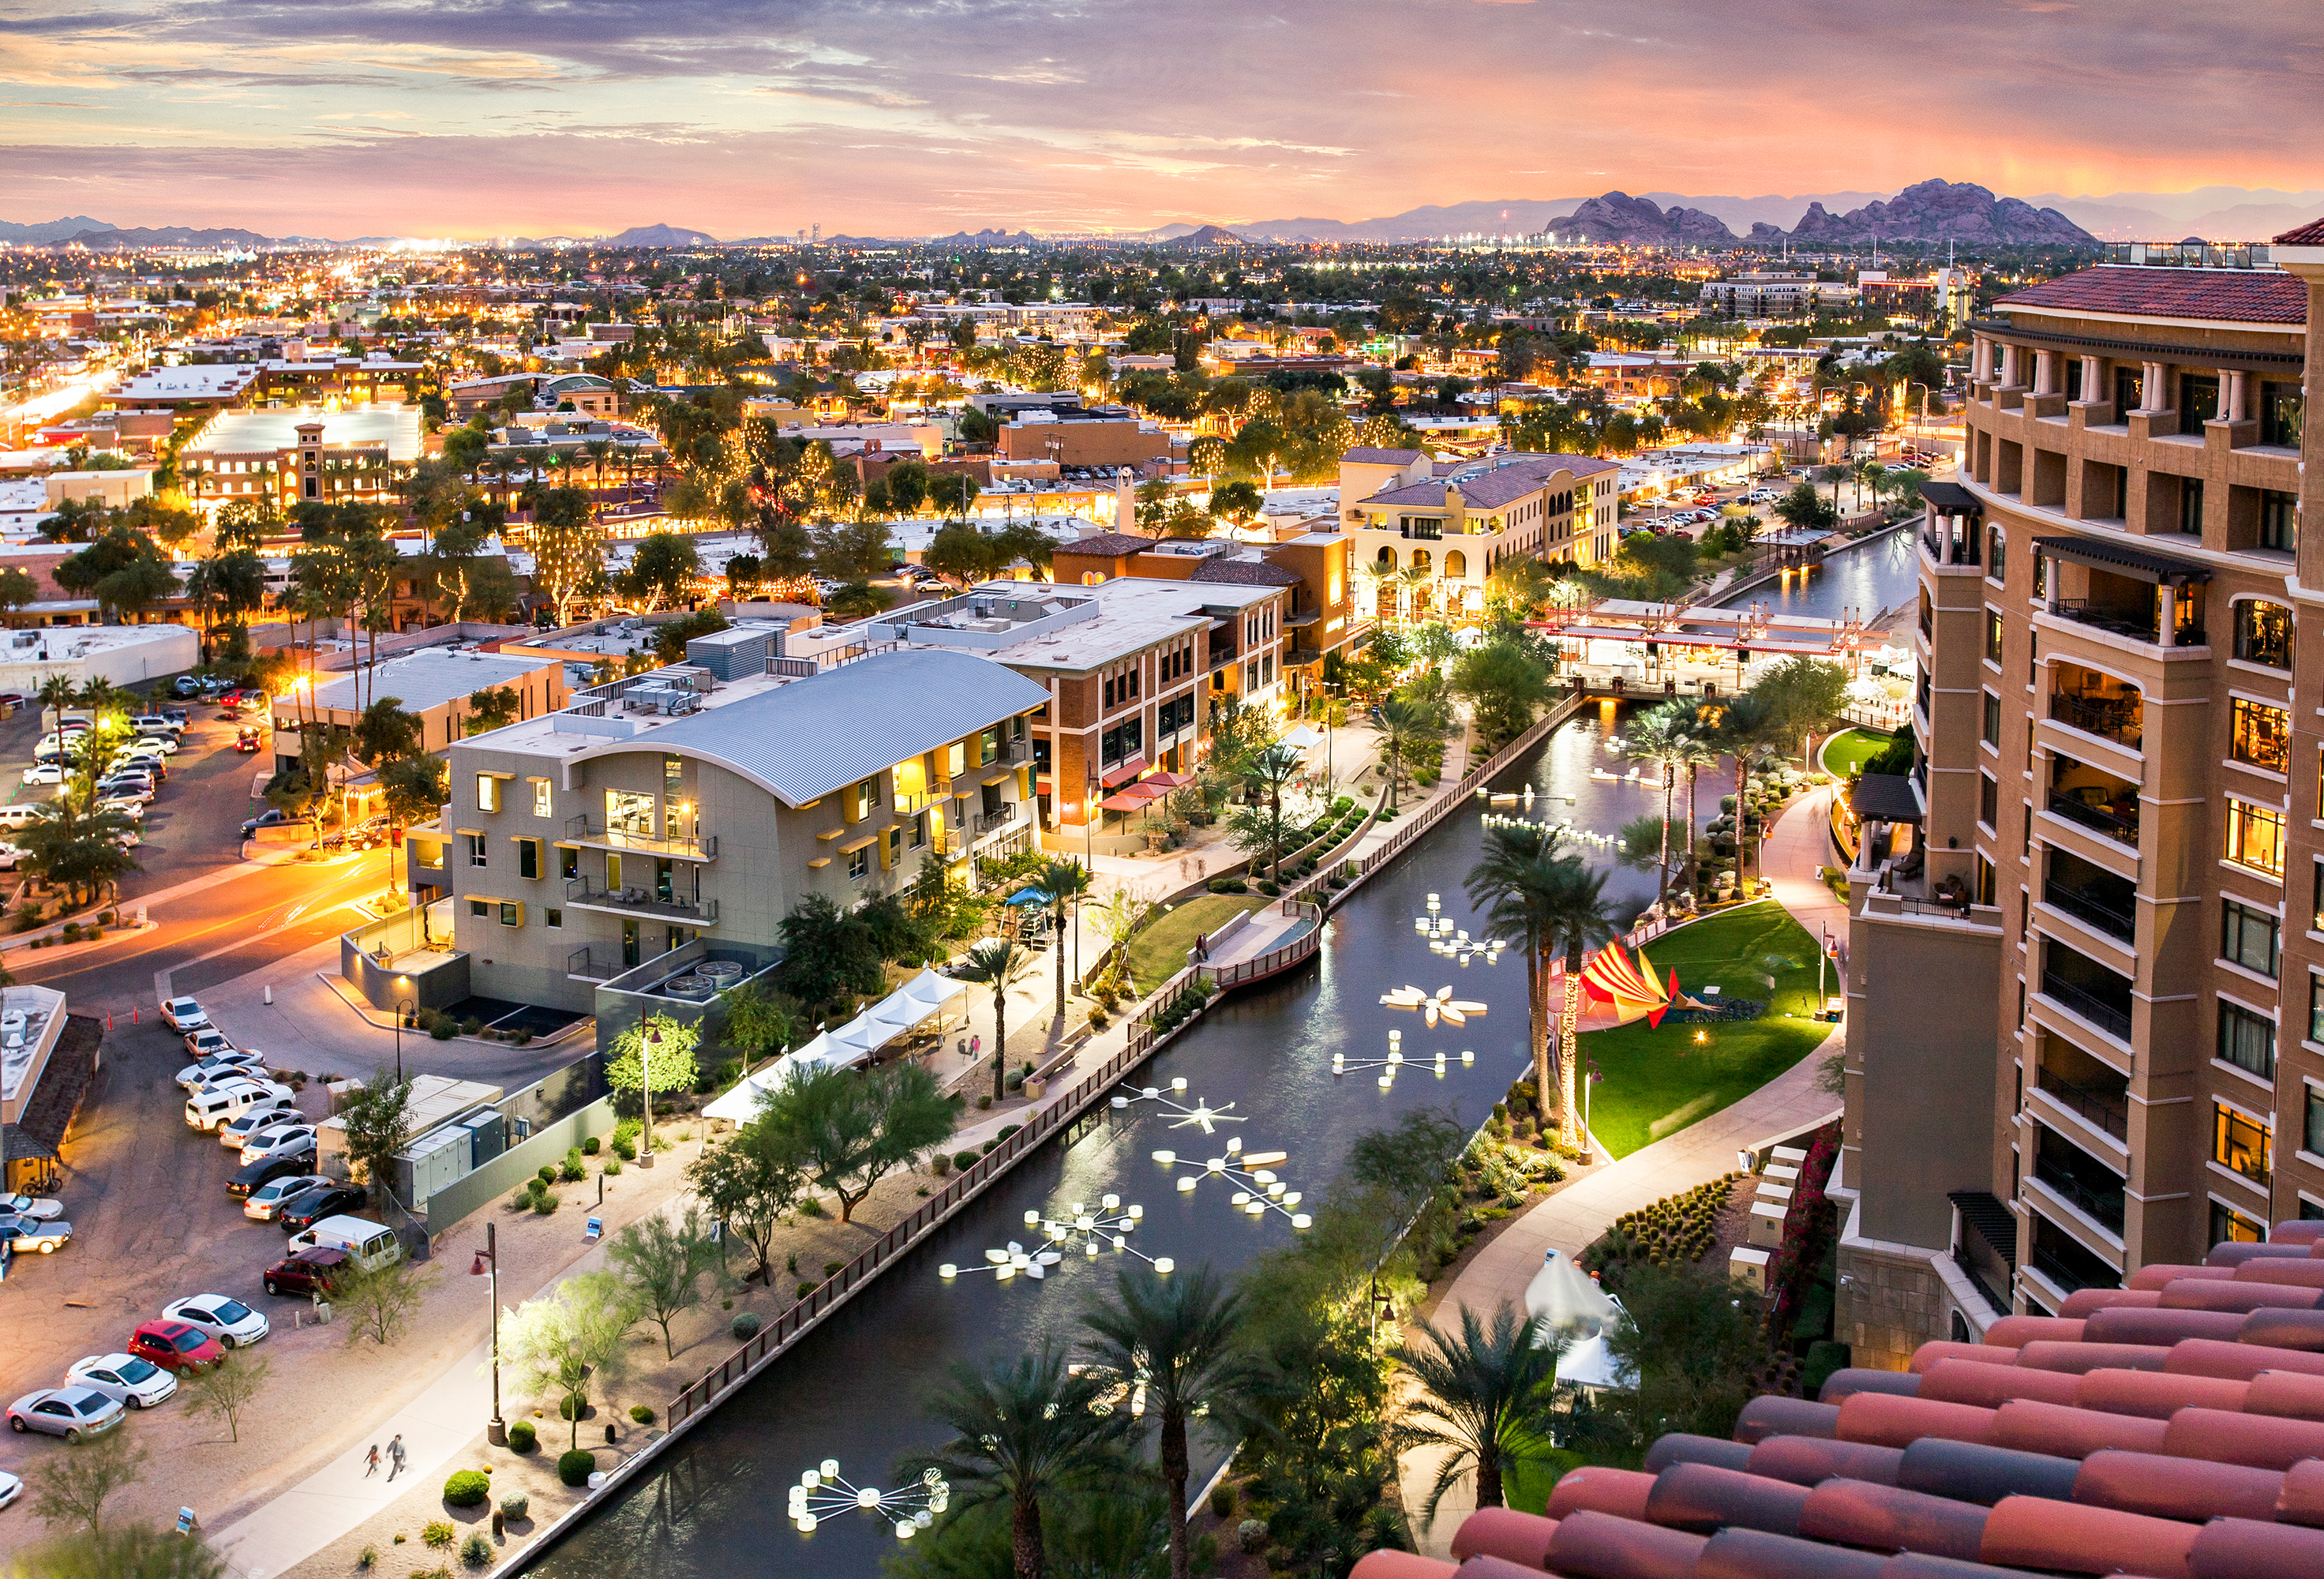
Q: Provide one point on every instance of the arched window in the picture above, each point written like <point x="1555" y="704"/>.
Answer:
<point x="1387" y="559"/>
<point x="1420" y="558"/>
<point x="1456" y="565"/>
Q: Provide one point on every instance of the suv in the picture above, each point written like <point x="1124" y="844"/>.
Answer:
<point x="313" y="1271"/>
<point x="274" y="817"/>
<point x="176" y="1345"/>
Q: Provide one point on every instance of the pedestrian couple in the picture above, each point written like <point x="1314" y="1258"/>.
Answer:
<point x="394" y="1458"/>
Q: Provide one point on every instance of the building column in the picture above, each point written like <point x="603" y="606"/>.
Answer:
<point x="2045" y="373"/>
<point x="2049" y="583"/>
<point x="2151" y="396"/>
<point x="2012" y="364"/>
<point x="2090" y="378"/>
<point x="2238" y="391"/>
<point x="2169" y="634"/>
<point x="1978" y="361"/>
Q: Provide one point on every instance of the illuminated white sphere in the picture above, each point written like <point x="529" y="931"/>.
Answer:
<point x="1218" y="1165"/>
<point x="1291" y="1199"/>
<point x="904" y="1527"/>
<point x="1032" y="1219"/>
<point x="811" y="1480"/>
<point x="868" y="1497"/>
<point x="1300" y="1220"/>
<point x="806" y="1523"/>
<point x="1468" y="1055"/>
<point x="1109" y="1202"/>
<point x="1178" y="1083"/>
<point x="1186" y="1183"/>
<point x="1136" y="1212"/>
<point x="1164" y="1264"/>
<point x="948" y="1271"/>
<point x="1166" y="1157"/>
<point x="1234" y="1143"/>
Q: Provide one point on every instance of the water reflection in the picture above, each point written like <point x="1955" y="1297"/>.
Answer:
<point x="1868" y="577"/>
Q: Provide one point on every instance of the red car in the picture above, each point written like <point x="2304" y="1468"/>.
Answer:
<point x="246" y="739"/>
<point x="313" y="1271"/>
<point x="174" y="1345"/>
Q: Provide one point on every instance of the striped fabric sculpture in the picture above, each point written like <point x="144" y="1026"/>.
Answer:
<point x="1610" y="977"/>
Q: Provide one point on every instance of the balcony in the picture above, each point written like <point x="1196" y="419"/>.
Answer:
<point x="2091" y="911"/>
<point x="993" y="822"/>
<point x="2125" y="622"/>
<point x="581" y="965"/>
<point x="2105" y="1110"/>
<point x="919" y="801"/>
<point x="2069" y="1278"/>
<point x="2109" y="1016"/>
<point x="2115" y="719"/>
<point x="2080" y="1182"/>
<point x="2117" y="820"/>
<point x="589" y="833"/>
<point x="581" y="893"/>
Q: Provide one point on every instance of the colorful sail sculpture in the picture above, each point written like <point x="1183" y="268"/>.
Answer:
<point x="1610" y="977"/>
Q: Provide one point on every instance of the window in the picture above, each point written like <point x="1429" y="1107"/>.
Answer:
<point x="863" y="799"/>
<point x="2250" y="938"/>
<point x="2281" y="410"/>
<point x="892" y="848"/>
<point x="629" y="811"/>
<point x="1996" y="565"/>
<point x="2312" y="1140"/>
<point x="488" y="792"/>
<point x="2191" y="507"/>
<point x="528" y="857"/>
<point x="553" y="919"/>
<point x="2262" y="735"/>
<point x="2256" y="836"/>
<point x="919" y="830"/>
<point x="568" y="862"/>
<point x="2279" y="518"/>
<point x="2230" y="1226"/>
<point x="481" y="909"/>
<point x="1993" y="636"/>
<point x="542" y="801"/>
<point x="476" y="850"/>
<point x="1992" y="719"/>
<point x="1989" y="800"/>
<point x="859" y="861"/>
<point x="2247" y="1040"/>
<point x="2264" y="633"/>
<point x="512" y="913"/>
<point x="988" y="744"/>
<point x="2241" y="1144"/>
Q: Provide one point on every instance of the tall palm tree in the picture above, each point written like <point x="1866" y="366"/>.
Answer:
<point x="1516" y="882"/>
<point x="998" y="962"/>
<point x="1484" y="1394"/>
<point x="1026" y="1430"/>
<point x="1182" y="1336"/>
<point x="1577" y="920"/>
<point x="56" y="694"/>
<point x="1269" y="772"/>
<point x="1404" y="720"/>
<point x="1751" y="729"/>
<point x="1065" y="882"/>
<point x="1697" y="750"/>
<point x="1656" y="736"/>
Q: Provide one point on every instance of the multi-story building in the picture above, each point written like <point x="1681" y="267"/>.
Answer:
<point x="300" y="456"/>
<point x="2121" y="645"/>
<point x="1455" y="522"/>
<point x="586" y="842"/>
<point x="1102" y="435"/>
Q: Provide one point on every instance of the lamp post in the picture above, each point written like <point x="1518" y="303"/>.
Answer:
<point x="403" y="1007"/>
<point x="647" y="1035"/>
<point x="496" y="1431"/>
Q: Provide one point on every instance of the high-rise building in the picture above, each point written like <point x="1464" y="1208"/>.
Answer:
<point x="2086" y="953"/>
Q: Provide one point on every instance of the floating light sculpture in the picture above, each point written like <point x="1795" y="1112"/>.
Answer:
<point x="911" y="1507"/>
<point x="1091" y="1231"/>
<point x="1263" y="1192"/>
<point x="1434" y="1006"/>
<point x="1341" y="1064"/>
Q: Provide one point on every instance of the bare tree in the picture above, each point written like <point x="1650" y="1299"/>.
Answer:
<point x="73" y="1488"/>
<point x="224" y="1391"/>
<point x="380" y="1304"/>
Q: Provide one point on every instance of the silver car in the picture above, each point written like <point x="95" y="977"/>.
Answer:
<point x="39" y="1207"/>
<point x="26" y="1234"/>
<point x="267" y="1199"/>
<point x="74" y="1413"/>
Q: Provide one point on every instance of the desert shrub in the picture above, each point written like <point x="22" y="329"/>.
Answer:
<point x="746" y="1326"/>
<point x="521" y="1435"/>
<point x="576" y="1467"/>
<point x="467" y="1488"/>
<point x="436" y="1532"/>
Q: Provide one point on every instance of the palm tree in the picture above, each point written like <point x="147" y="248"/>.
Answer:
<point x="1576" y="920"/>
<point x="1181" y="1336"/>
<point x="1750" y="729"/>
<point x="1696" y="751"/>
<point x="1655" y="737"/>
<point x="1269" y="772"/>
<point x="1065" y="882"/>
<point x="1404" y="720"/>
<point x="56" y="694"/>
<point x="998" y="962"/>
<point x="1026" y="1430"/>
<point x="1516" y="882"/>
<point x="1484" y="1394"/>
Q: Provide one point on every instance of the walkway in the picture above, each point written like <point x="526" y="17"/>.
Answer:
<point x="1570" y="1219"/>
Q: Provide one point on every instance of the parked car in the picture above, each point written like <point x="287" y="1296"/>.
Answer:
<point x="206" y="1040"/>
<point x="213" y="1068"/>
<point x="134" y="786"/>
<point x="210" y="1106"/>
<point x="303" y="1211"/>
<point x="280" y="1140"/>
<point x="263" y="1115"/>
<point x="74" y="1413"/>
<point x="313" y="1271"/>
<point x="267" y="1184"/>
<point x="185" y="685"/>
<point x="39" y="1208"/>
<point x="231" y="1322"/>
<point x="124" y="1377"/>
<point x="45" y="774"/>
<point x="152" y="763"/>
<point x="274" y="817"/>
<point x="24" y="1235"/>
<point x="184" y="1015"/>
<point x="11" y="1488"/>
<point x="175" y="1346"/>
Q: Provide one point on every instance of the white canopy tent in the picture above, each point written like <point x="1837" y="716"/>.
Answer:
<point x="1579" y="1314"/>
<point x="923" y="995"/>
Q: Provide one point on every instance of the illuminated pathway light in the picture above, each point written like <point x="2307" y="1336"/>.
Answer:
<point x="823" y="1491"/>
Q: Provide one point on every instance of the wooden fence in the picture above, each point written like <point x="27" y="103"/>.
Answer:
<point x="1302" y="946"/>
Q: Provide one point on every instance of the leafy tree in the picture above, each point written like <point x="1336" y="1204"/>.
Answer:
<point x="662" y="1263"/>
<point x="670" y="637"/>
<point x="998" y="963"/>
<point x="569" y="1340"/>
<point x="224" y="1391"/>
<point x="568" y="547"/>
<point x="850" y="1130"/>
<point x="494" y="708"/>
<point x="1237" y="504"/>
<point x="1804" y="694"/>
<point x="952" y="494"/>
<point x="1404" y="722"/>
<point x="1749" y="727"/>
<point x="1504" y="683"/>
<point x="385" y="733"/>
<point x="908" y="485"/>
<point x="129" y="1553"/>
<point x="73" y="1488"/>
<point x="852" y="550"/>
<point x="1692" y="1339"/>
<point x="1483" y="1395"/>
<point x="744" y="574"/>
<point x="1182" y="1336"/>
<point x="416" y="789"/>
<point x="1027" y="1432"/>
<point x="1577" y="920"/>
<point x="123" y="568"/>
<point x="760" y="1022"/>
<point x="381" y="1303"/>
<point x="378" y="1120"/>
<point x="857" y="600"/>
<point x="664" y="569"/>
<point x="1263" y="829"/>
<point x="829" y="956"/>
<point x="1803" y="509"/>
<point x="751" y="1184"/>
<point x="17" y="589"/>
<point x="673" y="1044"/>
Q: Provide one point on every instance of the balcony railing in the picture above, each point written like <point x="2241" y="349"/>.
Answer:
<point x="2106" y="1016"/>
<point x="2107" y="920"/>
<point x="587" y="830"/>
<point x="2105" y="1111"/>
<point x="2125" y="622"/>
<point x="2050" y="1265"/>
<point x="580" y="963"/>
<point x="2117" y="721"/>
<point x="993" y="822"/>
<point x="913" y="804"/>
<point x="2102" y="1205"/>
<point x="586" y="894"/>
<point x="2114" y="826"/>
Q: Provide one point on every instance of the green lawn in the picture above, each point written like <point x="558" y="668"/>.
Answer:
<point x="1159" y="952"/>
<point x="1847" y="752"/>
<point x="1658" y="1081"/>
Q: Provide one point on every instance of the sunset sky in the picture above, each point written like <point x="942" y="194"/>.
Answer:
<point x="476" y="117"/>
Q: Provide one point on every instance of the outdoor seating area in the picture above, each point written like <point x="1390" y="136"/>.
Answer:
<point x="926" y="997"/>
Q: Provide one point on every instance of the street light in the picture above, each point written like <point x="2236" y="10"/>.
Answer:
<point x="648" y="1036"/>
<point x="496" y="1429"/>
<point x="403" y="1007"/>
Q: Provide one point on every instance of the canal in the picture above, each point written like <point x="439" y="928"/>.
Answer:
<point x="713" y="1505"/>
<point x="1878" y="573"/>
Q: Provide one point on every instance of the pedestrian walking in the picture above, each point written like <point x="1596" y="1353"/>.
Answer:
<point x="976" y="1046"/>
<point x="371" y="1461"/>
<point x="395" y="1455"/>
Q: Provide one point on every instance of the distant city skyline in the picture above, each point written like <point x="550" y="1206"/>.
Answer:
<point x="746" y="117"/>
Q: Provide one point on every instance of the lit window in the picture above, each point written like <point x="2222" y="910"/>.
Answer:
<point x="2242" y="1144"/>
<point x="488" y="792"/>
<point x="859" y="861"/>
<point x="542" y="800"/>
<point x="2256" y="836"/>
<point x="477" y="855"/>
<point x="2262" y="735"/>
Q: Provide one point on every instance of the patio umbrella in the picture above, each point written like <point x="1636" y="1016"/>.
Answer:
<point x="1028" y="896"/>
<point x="1301" y="738"/>
<point x="1167" y="780"/>
<point x="1131" y="798"/>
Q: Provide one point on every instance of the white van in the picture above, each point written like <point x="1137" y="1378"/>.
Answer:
<point x="12" y="817"/>
<point x="230" y="1099"/>
<point x="367" y="1245"/>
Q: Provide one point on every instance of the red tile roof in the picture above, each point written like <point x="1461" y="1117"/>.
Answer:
<point x="2308" y="234"/>
<point x="2215" y="295"/>
<point x="2140" y="1431"/>
<point x="1106" y="545"/>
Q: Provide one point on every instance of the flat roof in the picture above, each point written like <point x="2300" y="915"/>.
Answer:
<point x="424" y="680"/>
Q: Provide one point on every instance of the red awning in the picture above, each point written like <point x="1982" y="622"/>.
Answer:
<point x="1167" y="780"/>
<point x="1124" y="773"/>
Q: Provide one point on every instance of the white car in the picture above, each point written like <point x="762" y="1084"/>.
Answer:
<point x="45" y="774"/>
<point x="267" y="1199"/>
<point x="124" y="1378"/>
<point x="11" y="1488"/>
<point x="229" y="1321"/>
<point x="184" y="1015"/>
<point x="161" y="742"/>
<point x="219" y="1067"/>
<point x="128" y="805"/>
<point x="272" y="1111"/>
<point x="39" y="1208"/>
<point x="208" y="1040"/>
<point x="278" y="1140"/>
<point x="9" y="856"/>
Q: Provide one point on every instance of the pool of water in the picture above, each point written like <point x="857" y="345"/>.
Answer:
<point x="1869" y="577"/>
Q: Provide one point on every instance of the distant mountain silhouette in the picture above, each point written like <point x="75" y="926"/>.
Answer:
<point x="1937" y="210"/>
<point x="130" y="240"/>
<point x="661" y="235"/>
<point x="1208" y="236"/>
<point x="50" y="230"/>
<point x="1620" y="218"/>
